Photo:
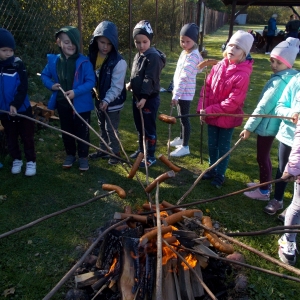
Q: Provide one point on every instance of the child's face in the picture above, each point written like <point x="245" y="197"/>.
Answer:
<point x="6" y="53"/>
<point x="186" y="43"/>
<point x="104" y="45"/>
<point x="142" y="43"/>
<point x="66" y="45"/>
<point x="235" y="54"/>
<point x="277" y="65"/>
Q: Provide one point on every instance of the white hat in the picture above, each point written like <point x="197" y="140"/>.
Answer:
<point x="286" y="51"/>
<point x="242" y="39"/>
<point x="274" y="16"/>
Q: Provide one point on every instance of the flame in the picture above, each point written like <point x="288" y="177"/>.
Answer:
<point x="167" y="254"/>
<point x="191" y="260"/>
<point x="112" y="267"/>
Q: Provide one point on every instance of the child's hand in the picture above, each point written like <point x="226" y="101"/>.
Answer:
<point x="140" y="104"/>
<point x="288" y="177"/>
<point x="174" y="102"/>
<point x="295" y="117"/>
<point x="70" y="94"/>
<point x="202" y="118"/>
<point x="55" y="87"/>
<point x="103" y="105"/>
<point x="128" y="86"/>
<point x="12" y="110"/>
<point x="245" y="134"/>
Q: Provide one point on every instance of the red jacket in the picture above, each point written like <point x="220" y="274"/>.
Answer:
<point x="226" y="90"/>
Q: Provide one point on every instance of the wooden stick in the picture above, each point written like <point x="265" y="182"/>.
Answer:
<point x="208" y="169"/>
<point x="74" y="268"/>
<point x="53" y="215"/>
<point x="259" y="253"/>
<point x="212" y="296"/>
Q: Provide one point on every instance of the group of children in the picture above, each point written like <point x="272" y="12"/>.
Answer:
<point x="72" y="77"/>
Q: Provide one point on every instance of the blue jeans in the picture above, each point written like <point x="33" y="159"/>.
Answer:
<point x="219" y="140"/>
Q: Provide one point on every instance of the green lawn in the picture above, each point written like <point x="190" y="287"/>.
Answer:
<point x="34" y="260"/>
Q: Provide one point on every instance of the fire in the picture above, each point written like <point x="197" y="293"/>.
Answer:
<point x="191" y="260"/>
<point x="112" y="267"/>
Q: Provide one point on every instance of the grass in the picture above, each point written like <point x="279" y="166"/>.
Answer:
<point x="34" y="260"/>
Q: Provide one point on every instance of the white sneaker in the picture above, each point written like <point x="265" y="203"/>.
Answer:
<point x="176" y="142"/>
<point x="287" y="251"/>
<point x="30" y="168"/>
<point x="267" y="52"/>
<point x="180" y="151"/>
<point x="16" y="167"/>
<point x="251" y="184"/>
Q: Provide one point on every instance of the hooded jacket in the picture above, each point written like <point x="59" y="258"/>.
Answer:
<point x="288" y="104"/>
<point x="111" y="77"/>
<point x="271" y="27"/>
<point x="145" y="73"/>
<point x="84" y="78"/>
<point x="226" y="90"/>
<point x="267" y="104"/>
<point x="13" y="88"/>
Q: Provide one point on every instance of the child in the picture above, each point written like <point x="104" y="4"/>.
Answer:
<point x="110" y="68"/>
<point x="74" y="73"/>
<point x="185" y="85"/>
<point x="14" y="98"/>
<point x="282" y="59"/>
<point x="225" y="92"/>
<point x="287" y="242"/>
<point x="288" y="106"/>
<point x="145" y="85"/>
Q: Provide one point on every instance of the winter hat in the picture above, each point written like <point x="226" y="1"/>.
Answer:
<point x="190" y="30"/>
<point x="143" y="27"/>
<point x="7" y="39"/>
<point x="274" y="16"/>
<point x="73" y="33"/>
<point x="242" y="39"/>
<point x="286" y="51"/>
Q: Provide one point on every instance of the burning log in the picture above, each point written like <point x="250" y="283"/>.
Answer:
<point x="169" y="288"/>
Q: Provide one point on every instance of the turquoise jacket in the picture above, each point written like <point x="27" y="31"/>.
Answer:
<point x="268" y="100"/>
<point x="288" y="104"/>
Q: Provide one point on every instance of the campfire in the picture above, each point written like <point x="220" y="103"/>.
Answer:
<point x="126" y="263"/>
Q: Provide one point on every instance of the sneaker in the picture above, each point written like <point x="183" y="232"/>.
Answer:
<point x="180" y="151"/>
<point x="252" y="184"/>
<point x="16" y="167"/>
<point x="218" y="181"/>
<point x="83" y="164"/>
<point x="114" y="160"/>
<point x="150" y="161"/>
<point x="98" y="154"/>
<point x="273" y="206"/>
<point x="257" y="195"/>
<point x="281" y="216"/>
<point x="30" y="168"/>
<point x="209" y="175"/>
<point x="267" y="52"/>
<point x="287" y="251"/>
<point x="135" y="154"/>
<point x="69" y="160"/>
<point x="176" y="142"/>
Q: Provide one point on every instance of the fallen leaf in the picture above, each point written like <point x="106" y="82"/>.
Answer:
<point x="10" y="291"/>
<point x="3" y="197"/>
<point x="29" y="242"/>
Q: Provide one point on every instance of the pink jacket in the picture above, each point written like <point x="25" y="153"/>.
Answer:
<point x="293" y="166"/>
<point x="226" y="89"/>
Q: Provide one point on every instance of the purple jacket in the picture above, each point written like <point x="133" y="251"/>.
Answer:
<point x="293" y="166"/>
<point x="225" y="92"/>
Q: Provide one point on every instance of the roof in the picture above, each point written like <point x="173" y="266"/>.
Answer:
<point x="264" y="2"/>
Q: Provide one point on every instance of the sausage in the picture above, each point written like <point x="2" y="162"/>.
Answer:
<point x="177" y="217"/>
<point x="214" y="239"/>
<point x="136" y="165"/>
<point x="166" y="204"/>
<point x="167" y="119"/>
<point x="159" y="179"/>
<point x="153" y="233"/>
<point x="112" y="187"/>
<point x="168" y="163"/>
<point x="207" y="63"/>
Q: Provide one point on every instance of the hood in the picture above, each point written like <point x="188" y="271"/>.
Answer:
<point x="73" y="33"/>
<point x="107" y="29"/>
<point x="160" y="53"/>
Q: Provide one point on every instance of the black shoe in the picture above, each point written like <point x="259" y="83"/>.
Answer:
<point x="135" y="154"/>
<point x="114" y="160"/>
<point x="218" y="181"/>
<point x="98" y="154"/>
<point x="209" y="175"/>
<point x="281" y="216"/>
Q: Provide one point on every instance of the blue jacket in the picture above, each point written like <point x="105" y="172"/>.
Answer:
<point x="84" y="81"/>
<point x="13" y="88"/>
<point x="288" y="104"/>
<point x="267" y="103"/>
<point x="272" y="27"/>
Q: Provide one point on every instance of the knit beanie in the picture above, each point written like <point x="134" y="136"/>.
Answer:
<point x="143" y="27"/>
<point x="242" y="39"/>
<point x="190" y="30"/>
<point x="73" y="33"/>
<point x="286" y="51"/>
<point x="7" y="39"/>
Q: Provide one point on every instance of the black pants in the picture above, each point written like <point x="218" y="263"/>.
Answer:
<point x="71" y="123"/>
<point x="269" y="42"/>
<point x="20" y="127"/>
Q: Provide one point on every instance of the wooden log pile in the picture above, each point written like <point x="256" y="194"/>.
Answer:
<point x="42" y="113"/>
